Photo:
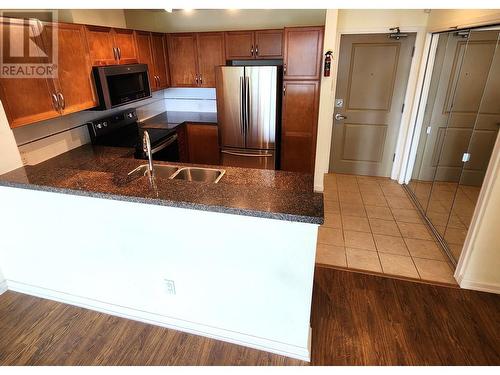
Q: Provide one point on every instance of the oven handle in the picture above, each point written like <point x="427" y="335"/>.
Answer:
<point x="165" y="144"/>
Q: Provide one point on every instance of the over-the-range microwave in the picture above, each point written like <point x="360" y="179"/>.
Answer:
<point x="117" y="85"/>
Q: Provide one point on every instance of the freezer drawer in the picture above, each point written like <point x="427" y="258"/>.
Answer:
<point x="260" y="159"/>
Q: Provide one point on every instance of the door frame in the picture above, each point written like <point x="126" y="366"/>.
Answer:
<point x="408" y="116"/>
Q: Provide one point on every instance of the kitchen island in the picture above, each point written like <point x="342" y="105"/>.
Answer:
<point x="232" y="260"/>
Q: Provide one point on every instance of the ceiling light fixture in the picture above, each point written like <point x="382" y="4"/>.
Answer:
<point x="169" y="10"/>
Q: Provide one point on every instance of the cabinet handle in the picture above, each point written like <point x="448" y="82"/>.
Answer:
<point x="61" y="100"/>
<point x="115" y="53"/>
<point x="256" y="50"/>
<point x="201" y="80"/>
<point x="159" y="81"/>
<point x="284" y="90"/>
<point x="196" y="79"/>
<point x="251" y="50"/>
<point x="119" y="53"/>
<point x="55" y="102"/>
<point x="284" y="68"/>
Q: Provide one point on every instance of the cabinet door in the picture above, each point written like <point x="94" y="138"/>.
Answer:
<point x="299" y="125"/>
<point x="202" y="143"/>
<point x="145" y="55"/>
<point x="210" y="54"/>
<point x="25" y="100"/>
<point x="125" y="42"/>
<point x="269" y="44"/>
<point x="101" y="45"/>
<point x="159" y="60"/>
<point x="74" y="73"/>
<point x="302" y="54"/>
<point x="240" y="45"/>
<point x="182" y="60"/>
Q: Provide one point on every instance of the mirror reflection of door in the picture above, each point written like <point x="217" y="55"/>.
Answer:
<point x="460" y="126"/>
<point x="371" y="84"/>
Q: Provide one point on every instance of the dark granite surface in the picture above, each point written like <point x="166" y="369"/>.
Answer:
<point x="170" y="119"/>
<point x="102" y="172"/>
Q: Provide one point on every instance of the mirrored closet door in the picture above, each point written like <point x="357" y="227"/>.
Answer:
<point x="459" y="128"/>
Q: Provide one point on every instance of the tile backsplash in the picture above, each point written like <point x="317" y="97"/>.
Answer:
<point x="46" y="139"/>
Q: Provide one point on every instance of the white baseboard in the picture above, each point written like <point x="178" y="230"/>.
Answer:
<point x="480" y="286"/>
<point x="3" y="286"/>
<point x="232" y="337"/>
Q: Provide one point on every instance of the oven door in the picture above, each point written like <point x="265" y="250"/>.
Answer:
<point x="167" y="150"/>
<point x="121" y="84"/>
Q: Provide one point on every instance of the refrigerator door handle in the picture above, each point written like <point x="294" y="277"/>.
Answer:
<point x="244" y="154"/>
<point x="242" y="110"/>
<point x="247" y="105"/>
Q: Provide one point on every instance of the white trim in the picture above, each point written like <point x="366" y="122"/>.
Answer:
<point x="3" y="286"/>
<point x="479" y="286"/>
<point x="166" y="322"/>
<point x="485" y="194"/>
<point x="418" y="111"/>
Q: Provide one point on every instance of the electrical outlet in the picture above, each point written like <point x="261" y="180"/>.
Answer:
<point x="169" y="286"/>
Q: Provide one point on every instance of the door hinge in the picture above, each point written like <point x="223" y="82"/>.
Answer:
<point x="413" y="51"/>
<point x="393" y="157"/>
<point x="403" y="108"/>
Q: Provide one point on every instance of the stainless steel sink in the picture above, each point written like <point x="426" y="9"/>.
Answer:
<point x="199" y="174"/>
<point x="160" y="171"/>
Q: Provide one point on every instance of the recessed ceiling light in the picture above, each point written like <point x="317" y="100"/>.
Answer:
<point x="169" y="10"/>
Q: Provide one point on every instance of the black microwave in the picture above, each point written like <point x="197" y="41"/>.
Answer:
<point x="117" y="85"/>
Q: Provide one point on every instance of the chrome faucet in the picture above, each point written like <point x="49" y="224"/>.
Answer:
<point x="146" y="146"/>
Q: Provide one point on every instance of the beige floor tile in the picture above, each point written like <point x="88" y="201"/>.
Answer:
<point x="455" y="236"/>
<point x="347" y="209"/>
<point x="411" y="230"/>
<point x="330" y="236"/>
<point x="456" y="250"/>
<point x="330" y="195"/>
<point x="390" y="245"/>
<point x="398" y="265"/>
<point x="363" y="260"/>
<point x="374" y="199"/>
<point x="387" y="227"/>
<point x="424" y="249"/>
<point x="355" y="223"/>
<point x="393" y="190"/>
<point x="359" y="240"/>
<point x="331" y="207"/>
<point x="347" y="184"/>
<point x="406" y="215"/>
<point x="352" y="197"/>
<point x="398" y="202"/>
<point x="332" y="220"/>
<point x="376" y="212"/>
<point x="331" y="255"/>
<point x="434" y="270"/>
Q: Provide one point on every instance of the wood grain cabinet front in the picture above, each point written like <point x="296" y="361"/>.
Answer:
<point x="110" y="46"/>
<point x="303" y="53"/>
<point x="202" y="141"/>
<point x="299" y="125"/>
<point x="160" y="62"/>
<point x="249" y="45"/>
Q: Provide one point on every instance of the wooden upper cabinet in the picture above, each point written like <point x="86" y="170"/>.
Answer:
<point x="299" y="125"/>
<point x="109" y="46"/>
<point x="269" y="44"/>
<point x="25" y="100"/>
<point x="125" y="43"/>
<point x="240" y="45"/>
<point x="182" y="59"/>
<point x="145" y="54"/>
<point x="210" y="47"/>
<point x="158" y="45"/>
<point x="74" y="74"/>
<point x="303" y="53"/>
<point x="101" y="45"/>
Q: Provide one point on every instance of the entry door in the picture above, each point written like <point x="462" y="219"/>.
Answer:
<point x="371" y="85"/>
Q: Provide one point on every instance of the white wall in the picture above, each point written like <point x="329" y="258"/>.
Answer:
<point x="222" y="19"/>
<point x="364" y="21"/>
<point x="99" y="17"/>
<point x="9" y="154"/>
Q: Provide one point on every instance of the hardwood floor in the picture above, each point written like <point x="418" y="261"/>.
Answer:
<point x="361" y="319"/>
<point x="357" y="319"/>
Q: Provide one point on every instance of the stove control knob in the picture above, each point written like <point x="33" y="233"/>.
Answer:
<point x="104" y="124"/>
<point x="99" y="126"/>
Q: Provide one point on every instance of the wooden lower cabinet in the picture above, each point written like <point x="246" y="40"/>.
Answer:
<point x="199" y="144"/>
<point x="299" y="125"/>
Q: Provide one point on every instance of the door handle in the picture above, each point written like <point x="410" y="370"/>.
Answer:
<point x="340" y="117"/>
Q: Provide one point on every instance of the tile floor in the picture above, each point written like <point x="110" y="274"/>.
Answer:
<point x="372" y="225"/>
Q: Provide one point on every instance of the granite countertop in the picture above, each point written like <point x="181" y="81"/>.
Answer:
<point x="102" y="172"/>
<point x="171" y="119"/>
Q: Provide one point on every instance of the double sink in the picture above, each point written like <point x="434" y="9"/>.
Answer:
<point x="172" y="172"/>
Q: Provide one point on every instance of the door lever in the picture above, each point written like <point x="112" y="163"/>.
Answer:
<point x="340" y="117"/>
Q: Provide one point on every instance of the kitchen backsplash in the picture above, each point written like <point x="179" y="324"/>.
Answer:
<point x="46" y="139"/>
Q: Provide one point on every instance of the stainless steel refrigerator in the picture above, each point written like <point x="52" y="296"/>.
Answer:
<point x="248" y="114"/>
